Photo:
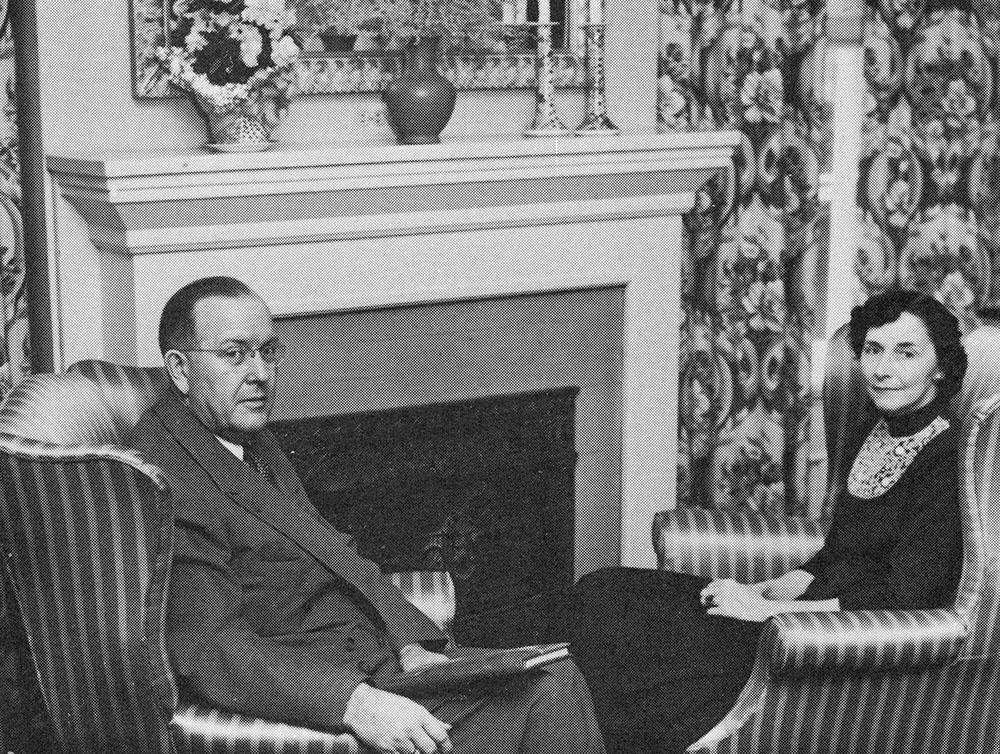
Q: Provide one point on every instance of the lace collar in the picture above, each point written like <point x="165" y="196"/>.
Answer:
<point x="884" y="457"/>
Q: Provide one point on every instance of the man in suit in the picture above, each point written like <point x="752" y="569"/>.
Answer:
<point x="272" y="612"/>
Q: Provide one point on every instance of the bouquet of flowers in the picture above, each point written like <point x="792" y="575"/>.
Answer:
<point x="223" y="52"/>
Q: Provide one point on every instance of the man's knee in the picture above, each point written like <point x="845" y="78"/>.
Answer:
<point x="561" y="680"/>
<point x="600" y="580"/>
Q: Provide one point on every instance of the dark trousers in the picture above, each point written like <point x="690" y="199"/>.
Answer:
<point x="661" y="671"/>
<point x="548" y="712"/>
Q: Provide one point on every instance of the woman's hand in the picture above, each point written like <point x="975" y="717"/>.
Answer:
<point x="732" y="599"/>
<point x="789" y="586"/>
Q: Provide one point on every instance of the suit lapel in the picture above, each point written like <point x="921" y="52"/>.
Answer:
<point x="282" y="509"/>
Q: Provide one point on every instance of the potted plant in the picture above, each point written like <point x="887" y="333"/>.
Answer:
<point x="236" y="60"/>
<point x="419" y="100"/>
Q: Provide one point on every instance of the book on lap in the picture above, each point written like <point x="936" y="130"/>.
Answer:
<point x="474" y="667"/>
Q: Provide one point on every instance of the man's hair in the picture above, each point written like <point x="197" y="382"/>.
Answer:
<point x="177" y="321"/>
<point x="941" y="324"/>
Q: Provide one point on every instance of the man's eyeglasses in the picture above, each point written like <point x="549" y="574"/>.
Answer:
<point x="237" y="355"/>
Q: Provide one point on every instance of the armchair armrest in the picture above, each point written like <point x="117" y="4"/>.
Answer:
<point x="198" y="729"/>
<point x="863" y="640"/>
<point x="744" y="545"/>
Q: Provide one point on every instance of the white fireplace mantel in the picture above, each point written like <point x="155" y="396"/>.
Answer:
<point x="332" y="229"/>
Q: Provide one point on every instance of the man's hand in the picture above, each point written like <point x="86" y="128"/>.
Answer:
<point x="414" y="656"/>
<point x="393" y="724"/>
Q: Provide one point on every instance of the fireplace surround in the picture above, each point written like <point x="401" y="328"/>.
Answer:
<point x="364" y="229"/>
<point x="483" y="489"/>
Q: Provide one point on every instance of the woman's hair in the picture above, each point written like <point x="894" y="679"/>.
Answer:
<point x="941" y="324"/>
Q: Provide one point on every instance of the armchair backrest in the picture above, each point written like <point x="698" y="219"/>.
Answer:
<point x="126" y="391"/>
<point x="978" y="597"/>
<point x="847" y="413"/>
<point x="849" y="417"/>
<point x="87" y="531"/>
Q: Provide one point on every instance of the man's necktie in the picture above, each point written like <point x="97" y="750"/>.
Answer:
<point x="262" y="468"/>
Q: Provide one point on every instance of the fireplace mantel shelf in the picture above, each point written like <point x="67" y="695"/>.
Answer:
<point x="696" y="147"/>
<point x="324" y="230"/>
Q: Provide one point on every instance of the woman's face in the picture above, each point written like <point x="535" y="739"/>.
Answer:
<point x="900" y="365"/>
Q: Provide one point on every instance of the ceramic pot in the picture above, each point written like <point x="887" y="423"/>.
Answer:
<point x="245" y="127"/>
<point x="419" y="100"/>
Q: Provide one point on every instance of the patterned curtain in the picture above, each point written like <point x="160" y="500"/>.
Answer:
<point x="14" y="345"/>
<point x="929" y="180"/>
<point x="756" y="245"/>
<point x="22" y="723"/>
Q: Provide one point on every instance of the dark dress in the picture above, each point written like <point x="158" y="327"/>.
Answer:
<point x="663" y="672"/>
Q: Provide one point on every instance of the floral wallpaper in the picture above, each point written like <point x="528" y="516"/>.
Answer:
<point x="930" y="172"/>
<point x="755" y="245"/>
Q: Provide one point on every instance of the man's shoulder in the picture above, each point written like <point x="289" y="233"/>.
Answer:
<point x="154" y="435"/>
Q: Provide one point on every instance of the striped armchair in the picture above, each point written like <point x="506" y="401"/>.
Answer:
<point x="902" y="681"/>
<point x="87" y="528"/>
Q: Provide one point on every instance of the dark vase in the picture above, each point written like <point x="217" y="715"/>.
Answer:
<point x="419" y="100"/>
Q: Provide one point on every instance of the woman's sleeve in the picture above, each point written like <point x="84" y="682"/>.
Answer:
<point x="922" y="569"/>
<point x="818" y="562"/>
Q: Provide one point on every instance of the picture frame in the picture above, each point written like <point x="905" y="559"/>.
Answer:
<point x="351" y="72"/>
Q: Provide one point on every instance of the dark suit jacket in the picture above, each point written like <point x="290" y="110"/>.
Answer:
<point x="272" y="612"/>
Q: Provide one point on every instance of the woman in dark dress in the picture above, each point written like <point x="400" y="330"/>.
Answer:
<point x="666" y="654"/>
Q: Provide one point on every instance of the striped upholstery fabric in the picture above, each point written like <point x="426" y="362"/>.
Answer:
<point x="847" y="415"/>
<point x="87" y="531"/>
<point x="126" y="392"/>
<point x="60" y="409"/>
<point x="431" y="591"/>
<point x="864" y="640"/>
<point x="902" y="682"/>
<point x="728" y="544"/>
<point x="81" y="417"/>
<point x="202" y="730"/>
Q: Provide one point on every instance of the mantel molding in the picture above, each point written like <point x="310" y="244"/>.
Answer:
<point x="142" y="204"/>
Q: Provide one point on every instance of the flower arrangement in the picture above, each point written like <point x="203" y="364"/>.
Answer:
<point x="223" y="51"/>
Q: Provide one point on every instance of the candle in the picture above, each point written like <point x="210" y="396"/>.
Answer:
<point x="509" y="12"/>
<point x="521" y="15"/>
<point x="544" y="13"/>
<point x="596" y="12"/>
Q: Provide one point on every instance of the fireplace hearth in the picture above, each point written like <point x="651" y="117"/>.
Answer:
<point x="481" y="488"/>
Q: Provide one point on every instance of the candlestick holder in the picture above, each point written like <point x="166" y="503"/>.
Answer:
<point x="547" y="121"/>
<point x="596" y="122"/>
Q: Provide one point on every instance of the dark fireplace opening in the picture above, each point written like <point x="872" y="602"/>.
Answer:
<point x="481" y="488"/>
